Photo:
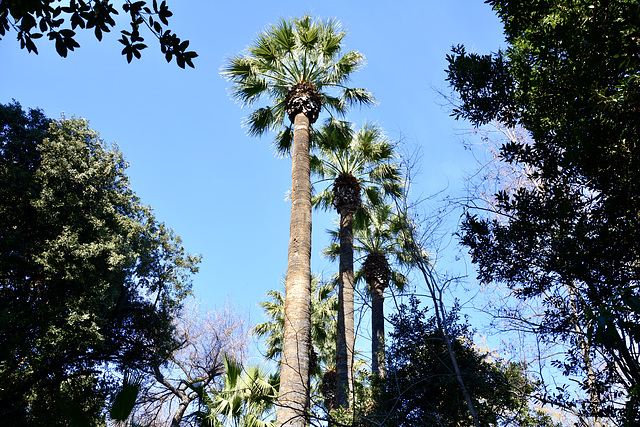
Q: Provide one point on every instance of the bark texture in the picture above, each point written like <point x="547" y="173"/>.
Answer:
<point x="345" y="339"/>
<point x="293" y="401"/>
<point x="377" y="274"/>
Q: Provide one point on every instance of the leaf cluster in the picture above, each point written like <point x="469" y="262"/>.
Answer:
<point x="421" y="388"/>
<point x="299" y="50"/>
<point x="324" y="304"/>
<point x="365" y="154"/>
<point x="245" y="399"/>
<point x="34" y="19"/>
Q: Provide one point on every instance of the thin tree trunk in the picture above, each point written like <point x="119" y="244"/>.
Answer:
<point x="345" y="340"/>
<point x="182" y="407"/>
<point x="436" y="297"/>
<point x="584" y="345"/>
<point x="180" y="394"/>
<point x="378" y="366"/>
<point x="293" y="401"/>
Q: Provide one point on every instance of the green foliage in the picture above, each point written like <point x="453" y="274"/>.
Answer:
<point x="89" y="280"/>
<point x="365" y="154"/>
<point x="33" y="19"/>
<point x="245" y="400"/>
<point x="421" y="388"/>
<point x="125" y="399"/>
<point x="571" y="78"/>
<point x="299" y="50"/>
<point x="324" y="305"/>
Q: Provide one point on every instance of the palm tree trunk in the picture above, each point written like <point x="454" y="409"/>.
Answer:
<point x="345" y="340"/>
<point x="378" y="367"/>
<point x="293" y="401"/>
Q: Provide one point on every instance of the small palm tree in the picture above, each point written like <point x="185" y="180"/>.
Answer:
<point x="380" y="239"/>
<point x="299" y="65"/>
<point x="356" y="163"/>
<point x="324" y="305"/>
<point x="323" y="323"/>
<point x="245" y="400"/>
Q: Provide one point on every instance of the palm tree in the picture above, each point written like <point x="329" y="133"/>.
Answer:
<point x="324" y="305"/>
<point x="298" y="65"/>
<point x="245" y="400"/>
<point x="379" y="240"/>
<point x="356" y="163"/>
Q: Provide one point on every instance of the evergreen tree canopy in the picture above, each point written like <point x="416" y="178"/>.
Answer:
<point x="89" y="279"/>
<point x="571" y="78"/>
<point x="421" y="387"/>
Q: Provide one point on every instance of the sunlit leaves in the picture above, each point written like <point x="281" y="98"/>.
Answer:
<point x="292" y="52"/>
<point x="87" y="270"/>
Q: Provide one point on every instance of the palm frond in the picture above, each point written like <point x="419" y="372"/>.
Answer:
<point x="283" y="35"/>
<point x="334" y="105"/>
<point x="338" y="72"/>
<point x="238" y="68"/>
<point x="260" y="121"/>
<point x="284" y="141"/>
<point x="332" y="251"/>
<point x="323" y="200"/>
<point x="357" y="97"/>
<point x="250" y="90"/>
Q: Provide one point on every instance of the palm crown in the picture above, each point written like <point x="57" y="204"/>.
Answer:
<point x="295" y="63"/>
<point x="362" y="160"/>
<point x="383" y="237"/>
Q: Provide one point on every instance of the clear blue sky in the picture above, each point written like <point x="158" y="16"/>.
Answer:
<point x="191" y="160"/>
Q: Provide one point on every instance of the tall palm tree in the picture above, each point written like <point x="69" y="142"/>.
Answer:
<point x="376" y="242"/>
<point x="297" y="64"/>
<point x="356" y="163"/>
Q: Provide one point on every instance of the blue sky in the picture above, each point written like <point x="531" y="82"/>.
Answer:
<point x="191" y="160"/>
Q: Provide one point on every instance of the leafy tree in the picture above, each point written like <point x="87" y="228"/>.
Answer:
<point x="35" y="18"/>
<point x="570" y="77"/>
<point x="299" y="65"/>
<point x="357" y="163"/>
<point x="422" y="390"/>
<point x="90" y="281"/>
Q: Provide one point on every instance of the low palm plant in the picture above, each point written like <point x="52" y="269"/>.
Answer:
<point x="246" y="399"/>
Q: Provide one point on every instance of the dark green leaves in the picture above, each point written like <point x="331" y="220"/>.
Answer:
<point x="64" y="41"/>
<point x="88" y="276"/>
<point x="97" y="15"/>
<point x="568" y="234"/>
<point x="485" y="86"/>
